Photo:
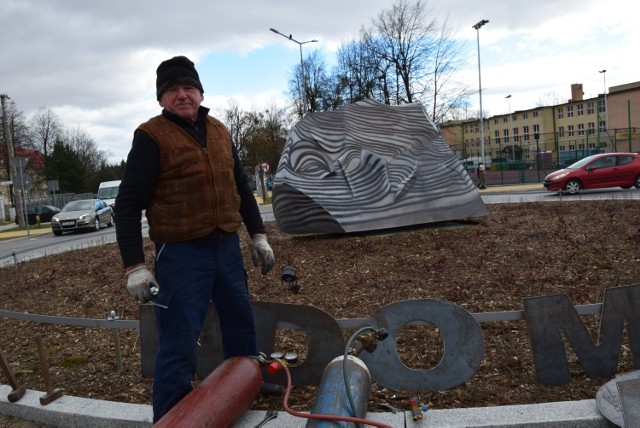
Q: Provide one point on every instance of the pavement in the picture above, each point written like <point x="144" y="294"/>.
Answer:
<point x="77" y="412"/>
<point x="9" y="230"/>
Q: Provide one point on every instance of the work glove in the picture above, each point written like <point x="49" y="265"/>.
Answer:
<point x="140" y="283"/>
<point x="262" y="252"/>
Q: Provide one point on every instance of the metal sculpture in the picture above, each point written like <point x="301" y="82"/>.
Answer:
<point x="369" y="166"/>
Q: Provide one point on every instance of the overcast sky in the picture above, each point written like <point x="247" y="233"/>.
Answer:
<point x="93" y="62"/>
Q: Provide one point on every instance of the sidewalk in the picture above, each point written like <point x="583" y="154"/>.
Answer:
<point x="7" y="233"/>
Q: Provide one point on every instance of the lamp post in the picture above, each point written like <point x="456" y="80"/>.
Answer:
<point x="304" y="82"/>
<point x="606" y="107"/>
<point x="511" y="136"/>
<point x="477" y="27"/>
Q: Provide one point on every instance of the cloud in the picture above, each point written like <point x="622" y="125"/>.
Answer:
<point x="94" y="63"/>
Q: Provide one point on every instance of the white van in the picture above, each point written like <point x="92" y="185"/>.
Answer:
<point x="108" y="190"/>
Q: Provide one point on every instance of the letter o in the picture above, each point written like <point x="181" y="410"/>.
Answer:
<point x="461" y="334"/>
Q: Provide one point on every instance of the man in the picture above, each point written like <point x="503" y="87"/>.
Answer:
<point x="482" y="175"/>
<point x="185" y="172"/>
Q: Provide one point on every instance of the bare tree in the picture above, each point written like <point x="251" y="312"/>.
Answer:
<point x="407" y="36"/>
<point x="44" y="130"/>
<point x="91" y="158"/>
<point x="313" y="72"/>
<point x="404" y="56"/>
<point x="447" y="94"/>
<point x="462" y="111"/>
<point x="359" y="70"/>
<point x="550" y="99"/>
<point x="258" y="136"/>
<point x="234" y="119"/>
<point x="318" y="88"/>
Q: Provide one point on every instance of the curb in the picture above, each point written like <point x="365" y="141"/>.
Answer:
<point x="76" y="412"/>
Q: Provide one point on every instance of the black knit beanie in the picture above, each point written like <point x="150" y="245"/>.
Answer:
<point x="178" y="69"/>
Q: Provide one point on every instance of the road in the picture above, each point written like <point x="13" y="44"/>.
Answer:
<point x="40" y="245"/>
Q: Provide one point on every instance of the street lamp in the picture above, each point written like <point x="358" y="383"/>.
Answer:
<point x="304" y="82"/>
<point x="513" y="149"/>
<point x="606" y="107"/>
<point x="477" y="27"/>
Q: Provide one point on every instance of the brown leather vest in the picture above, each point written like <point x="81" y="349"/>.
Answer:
<point x="195" y="191"/>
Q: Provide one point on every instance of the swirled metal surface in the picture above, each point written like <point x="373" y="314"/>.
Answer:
<point x="369" y="166"/>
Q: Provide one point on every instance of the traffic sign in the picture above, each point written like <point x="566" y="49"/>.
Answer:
<point x="23" y="182"/>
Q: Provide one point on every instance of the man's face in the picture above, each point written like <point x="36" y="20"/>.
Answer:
<point x="182" y="100"/>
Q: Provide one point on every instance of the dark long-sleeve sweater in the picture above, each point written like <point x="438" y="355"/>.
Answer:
<point x="138" y="184"/>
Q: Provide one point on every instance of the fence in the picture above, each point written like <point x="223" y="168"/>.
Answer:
<point x="33" y="201"/>
<point x="528" y="160"/>
<point x="57" y="200"/>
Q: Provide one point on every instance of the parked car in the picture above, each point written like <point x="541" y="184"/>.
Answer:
<point x="44" y="211"/>
<point x="82" y="214"/>
<point x="595" y="172"/>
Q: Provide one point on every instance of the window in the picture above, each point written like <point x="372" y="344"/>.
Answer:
<point x="525" y="115"/>
<point x="570" y="130"/>
<point x="515" y="117"/>
<point x="590" y="108"/>
<point x="622" y="160"/>
<point x="602" y="126"/>
<point x="580" y="110"/>
<point x="592" y="128"/>
<point x="535" y="114"/>
<point x="516" y="136"/>
<point x="569" y="111"/>
<point x="601" y="106"/>
<point x="536" y="129"/>
<point x="605" y="162"/>
<point x="525" y="131"/>
<point x="505" y="133"/>
<point x="560" y="112"/>
<point x="496" y="136"/>
<point x="560" y="131"/>
<point x="581" y="129"/>
<point x="505" y="119"/>
<point x="495" y="121"/>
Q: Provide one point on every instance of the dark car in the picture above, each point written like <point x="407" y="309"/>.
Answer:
<point x="596" y="172"/>
<point x="83" y="214"/>
<point x="46" y="212"/>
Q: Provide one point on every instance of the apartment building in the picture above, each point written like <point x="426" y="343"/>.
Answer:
<point x="560" y="134"/>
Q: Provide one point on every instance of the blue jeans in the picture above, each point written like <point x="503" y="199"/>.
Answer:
<point x="190" y="276"/>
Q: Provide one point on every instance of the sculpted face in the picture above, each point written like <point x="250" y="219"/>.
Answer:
<point x="369" y="166"/>
<point x="182" y="100"/>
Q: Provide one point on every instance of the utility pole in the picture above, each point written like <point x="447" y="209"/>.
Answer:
<point x="13" y="174"/>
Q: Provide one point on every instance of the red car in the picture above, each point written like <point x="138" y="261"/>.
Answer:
<point x="595" y="172"/>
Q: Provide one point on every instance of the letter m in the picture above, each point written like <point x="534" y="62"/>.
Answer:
<point x="549" y="318"/>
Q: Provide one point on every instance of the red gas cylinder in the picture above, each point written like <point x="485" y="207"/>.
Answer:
<point x="220" y="399"/>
